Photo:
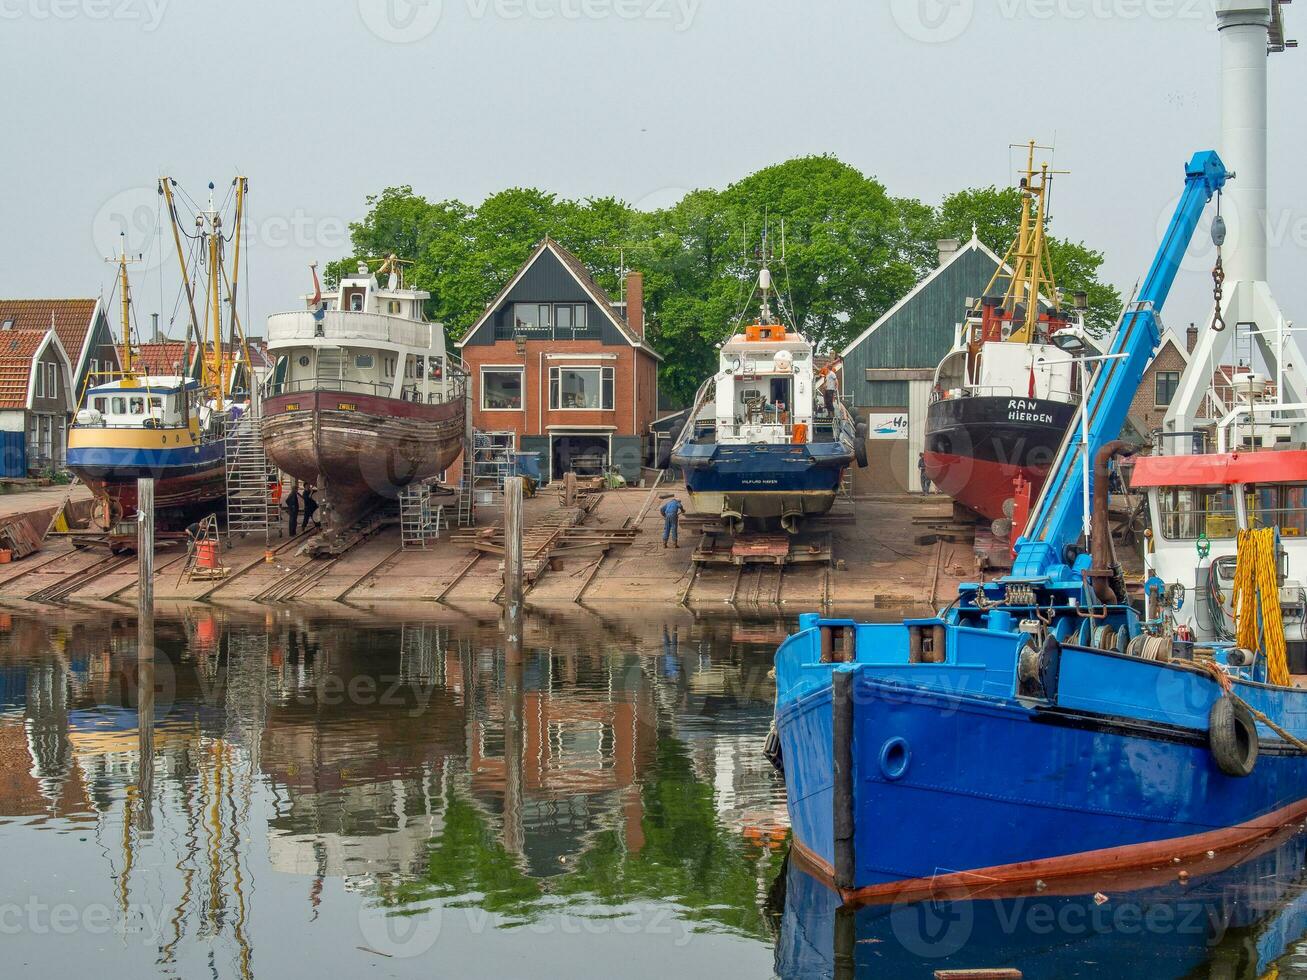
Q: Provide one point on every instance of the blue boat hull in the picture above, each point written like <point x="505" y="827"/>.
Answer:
<point x="955" y="782"/>
<point x="762" y="481"/>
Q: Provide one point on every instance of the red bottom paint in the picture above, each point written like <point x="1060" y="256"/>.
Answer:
<point x="979" y="484"/>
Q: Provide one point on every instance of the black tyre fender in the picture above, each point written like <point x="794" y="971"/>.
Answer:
<point x="1232" y="737"/>
<point x="860" y="444"/>
<point x="664" y="459"/>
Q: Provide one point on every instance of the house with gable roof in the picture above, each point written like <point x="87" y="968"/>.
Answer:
<point x="558" y="368"/>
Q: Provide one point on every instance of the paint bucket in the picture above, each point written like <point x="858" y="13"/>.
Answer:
<point x="6" y="556"/>
<point x="206" y="554"/>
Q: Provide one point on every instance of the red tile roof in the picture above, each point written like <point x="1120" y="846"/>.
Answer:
<point x="72" y="320"/>
<point x="16" y="352"/>
<point x="162" y="358"/>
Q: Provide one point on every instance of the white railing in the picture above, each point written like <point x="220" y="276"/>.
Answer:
<point x="347" y="326"/>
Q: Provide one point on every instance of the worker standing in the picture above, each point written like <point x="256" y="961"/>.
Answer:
<point x="671" y="512"/>
<point x="310" y="505"/>
<point x="292" y="506"/>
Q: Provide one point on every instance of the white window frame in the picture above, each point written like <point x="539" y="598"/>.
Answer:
<point x="52" y="380"/>
<point x="40" y="381"/>
<point x="606" y="374"/>
<point x="518" y="369"/>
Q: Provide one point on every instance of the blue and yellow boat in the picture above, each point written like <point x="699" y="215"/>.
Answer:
<point x="168" y="427"/>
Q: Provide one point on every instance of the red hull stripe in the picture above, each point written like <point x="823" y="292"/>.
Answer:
<point x="980" y="484"/>
<point x="1132" y="866"/>
<point x="1220" y="469"/>
<point x="348" y="401"/>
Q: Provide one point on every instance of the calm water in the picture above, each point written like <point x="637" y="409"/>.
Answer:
<point x="340" y="797"/>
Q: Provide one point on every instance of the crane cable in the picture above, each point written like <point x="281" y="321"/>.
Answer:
<point x="1260" y="625"/>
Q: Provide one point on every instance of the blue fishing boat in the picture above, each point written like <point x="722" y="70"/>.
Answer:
<point x="1038" y="732"/>
<point x="768" y="440"/>
<point x="169" y="427"/>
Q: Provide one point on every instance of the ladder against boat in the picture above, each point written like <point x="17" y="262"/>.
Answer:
<point x="250" y="505"/>
<point x="424" y="513"/>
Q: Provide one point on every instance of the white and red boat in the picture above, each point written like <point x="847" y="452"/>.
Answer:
<point x="364" y="397"/>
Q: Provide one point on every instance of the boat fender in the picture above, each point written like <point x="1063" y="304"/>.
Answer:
<point x="771" y="750"/>
<point x="1232" y="736"/>
<point x="664" y="455"/>
<point x="860" y="444"/>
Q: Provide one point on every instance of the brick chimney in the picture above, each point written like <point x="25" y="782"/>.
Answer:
<point x="635" y="302"/>
<point x="1191" y="338"/>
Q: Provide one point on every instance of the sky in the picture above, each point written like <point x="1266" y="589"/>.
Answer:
<point x="320" y="104"/>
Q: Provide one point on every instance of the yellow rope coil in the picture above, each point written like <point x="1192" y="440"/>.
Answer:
<point x="1257" y="602"/>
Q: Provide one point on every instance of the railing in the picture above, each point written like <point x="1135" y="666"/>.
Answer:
<point x="345" y="325"/>
<point x="454" y="389"/>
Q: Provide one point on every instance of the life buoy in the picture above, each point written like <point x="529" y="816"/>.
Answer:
<point x="1232" y="737"/>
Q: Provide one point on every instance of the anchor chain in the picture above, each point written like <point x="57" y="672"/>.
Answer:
<point x="1218" y="288"/>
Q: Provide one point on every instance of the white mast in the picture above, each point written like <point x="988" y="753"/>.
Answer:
<point x="1250" y="31"/>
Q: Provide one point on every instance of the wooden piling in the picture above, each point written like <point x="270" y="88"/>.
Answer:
<point x="513" y="569"/>
<point x="145" y="672"/>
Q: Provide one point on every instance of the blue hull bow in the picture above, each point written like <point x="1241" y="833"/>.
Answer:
<point x="905" y="778"/>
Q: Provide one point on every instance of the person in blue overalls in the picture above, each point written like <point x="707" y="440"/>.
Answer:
<point x="671" y="512"/>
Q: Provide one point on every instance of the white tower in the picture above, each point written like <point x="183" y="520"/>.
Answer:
<point x="1250" y="31"/>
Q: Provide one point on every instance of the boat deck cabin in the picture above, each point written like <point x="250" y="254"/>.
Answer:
<point x="364" y="339"/>
<point x="150" y="402"/>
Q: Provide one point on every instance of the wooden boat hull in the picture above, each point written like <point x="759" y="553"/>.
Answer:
<point x="359" y="450"/>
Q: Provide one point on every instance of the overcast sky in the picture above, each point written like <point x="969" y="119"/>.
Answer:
<point x="321" y="103"/>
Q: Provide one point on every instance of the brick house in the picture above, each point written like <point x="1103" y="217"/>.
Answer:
<point x="1161" y="379"/>
<point x="557" y="368"/>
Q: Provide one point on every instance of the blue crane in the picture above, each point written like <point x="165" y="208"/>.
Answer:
<point x="1043" y="555"/>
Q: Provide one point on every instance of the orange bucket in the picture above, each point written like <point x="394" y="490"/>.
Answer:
<point x="206" y="554"/>
<point x="6" y="556"/>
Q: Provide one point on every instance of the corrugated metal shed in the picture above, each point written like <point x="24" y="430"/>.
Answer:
<point x="918" y="331"/>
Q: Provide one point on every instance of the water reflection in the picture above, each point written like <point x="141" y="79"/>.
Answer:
<point x="276" y="795"/>
<point x="264" y="791"/>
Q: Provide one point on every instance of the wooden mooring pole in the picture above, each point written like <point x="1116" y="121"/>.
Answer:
<point x="514" y="573"/>
<point x="145" y="667"/>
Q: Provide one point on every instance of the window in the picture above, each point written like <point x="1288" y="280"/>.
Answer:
<point x="390" y="367"/>
<point x="101" y="405"/>
<point x="364" y="361"/>
<point x="356" y="303"/>
<point x="52" y="381"/>
<point x="570" y="321"/>
<point x="581" y="388"/>
<point x="1188" y="511"/>
<point x="156" y="404"/>
<point x="40" y="381"/>
<point x="532" y="319"/>
<point x="1164" y="387"/>
<point x="137" y="406"/>
<point x="393" y="306"/>
<point x="501" y="389"/>
<point x="120" y="406"/>
<point x="437" y="368"/>
<point x="95" y="366"/>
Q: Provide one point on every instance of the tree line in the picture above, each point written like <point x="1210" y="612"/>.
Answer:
<point x="851" y="251"/>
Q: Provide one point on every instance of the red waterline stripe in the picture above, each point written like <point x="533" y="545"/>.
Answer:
<point x="1132" y="865"/>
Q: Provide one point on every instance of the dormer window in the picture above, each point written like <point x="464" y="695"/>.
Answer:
<point x="7" y="325"/>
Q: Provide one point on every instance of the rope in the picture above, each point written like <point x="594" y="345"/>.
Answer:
<point x="1227" y="686"/>
<point x="1260" y="625"/>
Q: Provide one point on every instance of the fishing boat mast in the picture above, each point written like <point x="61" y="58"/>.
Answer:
<point x="1027" y="258"/>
